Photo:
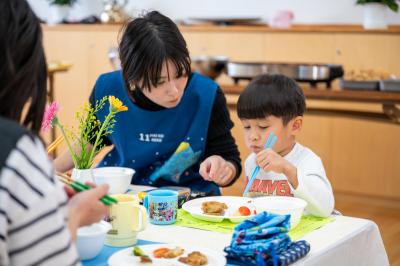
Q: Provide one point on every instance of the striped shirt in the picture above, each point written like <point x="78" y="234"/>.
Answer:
<point x="33" y="210"/>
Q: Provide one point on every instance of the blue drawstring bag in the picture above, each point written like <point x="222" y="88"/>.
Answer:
<point x="263" y="240"/>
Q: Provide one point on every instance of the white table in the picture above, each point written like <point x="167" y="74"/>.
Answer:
<point x="345" y="241"/>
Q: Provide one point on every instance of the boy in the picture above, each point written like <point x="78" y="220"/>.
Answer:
<point x="275" y="103"/>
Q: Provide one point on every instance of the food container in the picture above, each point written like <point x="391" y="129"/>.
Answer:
<point x="282" y="205"/>
<point x="118" y="178"/>
<point x="90" y="239"/>
<point x="390" y="85"/>
<point x="359" y="85"/>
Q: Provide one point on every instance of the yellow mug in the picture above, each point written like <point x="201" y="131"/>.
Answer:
<point x="127" y="218"/>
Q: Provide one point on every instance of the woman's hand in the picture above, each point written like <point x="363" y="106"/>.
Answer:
<point x="217" y="169"/>
<point x="86" y="208"/>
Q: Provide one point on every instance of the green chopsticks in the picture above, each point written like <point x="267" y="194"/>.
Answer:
<point x="78" y="186"/>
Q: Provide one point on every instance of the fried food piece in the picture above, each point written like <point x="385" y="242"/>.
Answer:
<point x="160" y="252"/>
<point x="173" y="253"/>
<point x="195" y="258"/>
<point x="167" y="253"/>
<point x="214" y="208"/>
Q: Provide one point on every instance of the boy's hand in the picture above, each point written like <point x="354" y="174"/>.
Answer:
<point x="217" y="169"/>
<point x="269" y="160"/>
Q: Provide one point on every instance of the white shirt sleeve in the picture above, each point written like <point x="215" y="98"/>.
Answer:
<point x="314" y="187"/>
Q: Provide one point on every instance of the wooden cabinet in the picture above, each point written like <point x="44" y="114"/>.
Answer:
<point x="353" y="50"/>
<point x="240" y="46"/>
<point x="299" y="47"/>
<point x="368" y="51"/>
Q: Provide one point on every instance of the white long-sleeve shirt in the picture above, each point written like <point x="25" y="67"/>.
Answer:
<point x="314" y="186"/>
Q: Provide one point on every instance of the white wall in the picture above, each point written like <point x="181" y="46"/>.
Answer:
<point x="306" y="11"/>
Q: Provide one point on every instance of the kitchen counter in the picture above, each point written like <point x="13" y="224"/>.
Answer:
<point x="326" y="28"/>
<point x="374" y="105"/>
<point x="335" y="94"/>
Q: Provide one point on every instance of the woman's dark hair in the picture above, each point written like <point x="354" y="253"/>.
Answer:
<point x="275" y="95"/>
<point x="147" y="43"/>
<point x="23" y="70"/>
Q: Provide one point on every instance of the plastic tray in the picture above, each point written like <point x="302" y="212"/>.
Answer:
<point x="390" y="85"/>
<point x="359" y="85"/>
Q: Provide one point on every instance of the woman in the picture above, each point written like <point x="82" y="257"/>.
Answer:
<point x="177" y="127"/>
<point x="37" y="222"/>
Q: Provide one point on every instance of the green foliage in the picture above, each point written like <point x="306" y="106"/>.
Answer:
<point x="87" y="142"/>
<point x="392" y="4"/>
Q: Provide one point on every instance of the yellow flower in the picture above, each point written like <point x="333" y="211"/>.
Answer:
<point x="116" y="105"/>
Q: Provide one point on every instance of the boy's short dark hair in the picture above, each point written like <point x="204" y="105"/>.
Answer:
<point x="275" y="95"/>
<point x="147" y="42"/>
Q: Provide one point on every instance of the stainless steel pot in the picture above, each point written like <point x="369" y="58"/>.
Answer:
<point x="300" y="72"/>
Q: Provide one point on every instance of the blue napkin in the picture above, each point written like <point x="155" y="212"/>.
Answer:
<point x="263" y="240"/>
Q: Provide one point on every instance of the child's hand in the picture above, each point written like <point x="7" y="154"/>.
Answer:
<point x="217" y="169"/>
<point x="86" y="208"/>
<point x="269" y="160"/>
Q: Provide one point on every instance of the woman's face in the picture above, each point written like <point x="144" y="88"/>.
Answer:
<point x="170" y="88"/>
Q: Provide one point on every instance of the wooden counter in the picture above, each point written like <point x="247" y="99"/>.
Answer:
<point x="373" y="105"/>
<point x="321" y="28"/>
<point x="336" y="94"/>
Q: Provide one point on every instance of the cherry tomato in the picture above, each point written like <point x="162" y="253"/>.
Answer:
<point x="244" y="211"/>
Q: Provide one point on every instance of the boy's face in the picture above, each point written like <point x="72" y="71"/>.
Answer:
<point x="256" y="132"/>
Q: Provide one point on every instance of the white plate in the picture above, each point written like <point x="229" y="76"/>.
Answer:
<point x="125" y="258"/>
<point x="194" y="208"/>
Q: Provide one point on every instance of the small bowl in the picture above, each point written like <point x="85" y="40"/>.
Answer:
<point x="118" y="178"/>
<point x="282" y="205"/>
<point x="90" y="239"/>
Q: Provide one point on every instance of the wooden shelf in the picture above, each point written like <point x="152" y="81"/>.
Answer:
<point x="336" y="94"/>
<point x="314" y="28"/>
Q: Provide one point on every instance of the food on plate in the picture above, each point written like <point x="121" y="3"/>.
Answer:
<point x="195" y="258"/>
<point x="145" y="259"/>
<point x="167" y="253"/>
<point x="245" y="211"/>
<point x="214" y="208"/>
<point x="366" y="75"/>
<point x="138" y="252"/>
<point x="159" y="253"/>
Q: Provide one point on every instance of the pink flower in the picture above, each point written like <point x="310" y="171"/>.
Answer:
<point x="49" y="115"/>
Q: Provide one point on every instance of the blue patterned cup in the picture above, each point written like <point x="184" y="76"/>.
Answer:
<point x="162" y="206"/>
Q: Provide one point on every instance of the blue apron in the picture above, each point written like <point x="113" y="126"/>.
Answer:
<point x="164" y="147"/>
